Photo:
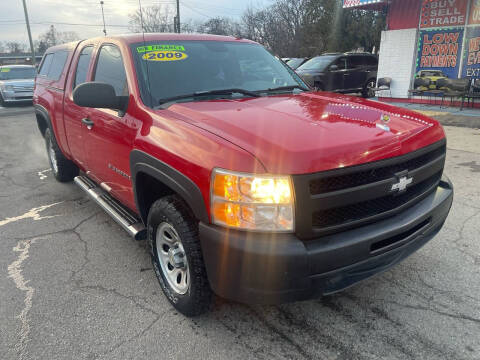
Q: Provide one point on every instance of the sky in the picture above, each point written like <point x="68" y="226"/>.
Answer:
<point x="88" y="17"/>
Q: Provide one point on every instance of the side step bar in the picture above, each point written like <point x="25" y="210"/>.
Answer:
<point x="117" y="211"/>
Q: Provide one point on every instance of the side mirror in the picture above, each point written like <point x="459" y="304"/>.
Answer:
<point x="98" y="95"/>
<point x="333" y="67"/>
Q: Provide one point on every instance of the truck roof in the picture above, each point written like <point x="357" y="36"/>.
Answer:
<point x="148" y="37"/>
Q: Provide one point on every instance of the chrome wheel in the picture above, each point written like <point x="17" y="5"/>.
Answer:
<point x="370" y="92"/>
<point x="172" y="258"/>
<point x="53" y="157"/>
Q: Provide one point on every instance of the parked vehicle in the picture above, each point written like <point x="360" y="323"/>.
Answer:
<point x="16" y="83"/>
<point x="433" y="76"/>
<point x="343" y="73"/>
<point x="294" y="63"/>
<point x="245" y="184"/>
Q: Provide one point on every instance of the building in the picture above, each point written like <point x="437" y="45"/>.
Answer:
<point x="426" y="35"/>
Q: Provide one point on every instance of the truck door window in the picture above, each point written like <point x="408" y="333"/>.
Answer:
<point x="58" y="63"/>
<point x="82" y="65"/>
<point x="110" y="69"/>
<point x="47" y="61"/>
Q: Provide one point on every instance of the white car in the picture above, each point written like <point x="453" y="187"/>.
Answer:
<point x="16" y="83"/>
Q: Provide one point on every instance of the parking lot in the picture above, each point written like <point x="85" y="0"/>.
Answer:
<point x="74" y="285"/>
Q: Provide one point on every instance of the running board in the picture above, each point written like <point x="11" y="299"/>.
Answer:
<point x="117" y="211"/>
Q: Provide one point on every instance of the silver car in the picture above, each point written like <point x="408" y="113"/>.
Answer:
<point x="16" y="83"/>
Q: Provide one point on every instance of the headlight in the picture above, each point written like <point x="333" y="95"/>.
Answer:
<point x="252" y="202"/>
<point x="6" y="87"/>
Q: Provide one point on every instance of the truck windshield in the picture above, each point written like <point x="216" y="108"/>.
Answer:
<point x="168" y="69"/>
<point x="7" y="73"/>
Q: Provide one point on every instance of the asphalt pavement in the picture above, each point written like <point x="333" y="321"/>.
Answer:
<point x="74" y="285"/>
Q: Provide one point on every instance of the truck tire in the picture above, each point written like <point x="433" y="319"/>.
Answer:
<point x="63" y="169"/>
<point x="177" y="258"/>
<point x="2" y="102"/>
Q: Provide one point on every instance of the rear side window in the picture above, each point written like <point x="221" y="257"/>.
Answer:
<point x="46" y="65"/>
<point x="372" y="61"/>
<point x="58" y="63"/>
<point x="82" y="65"/>
<point x="110" y="69"/>
<point x="356" y="61"/>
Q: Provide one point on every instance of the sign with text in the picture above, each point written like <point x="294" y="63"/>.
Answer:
<point x="474" y="17"/>
<point x="440" y="50"/>
<point x="438" y="13"/>
<point x="471" y="58"/>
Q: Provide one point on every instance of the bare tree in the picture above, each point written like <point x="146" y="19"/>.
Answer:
<point x="155" y="19"/>
<point x="53" y="37"/>
<point x="15" y="47"/>
<point x="311" y="27"/>
<point x="300" y="28"/>
<point x="221" y="26"/>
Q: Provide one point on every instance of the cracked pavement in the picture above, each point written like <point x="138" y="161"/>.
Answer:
<point x="74" y="285"/>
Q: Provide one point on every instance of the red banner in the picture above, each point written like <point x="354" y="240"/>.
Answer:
<point x="442" y="13"/>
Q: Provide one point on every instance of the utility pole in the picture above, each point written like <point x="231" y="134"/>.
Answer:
<point x="103" y="17"/>
<point x="29" y="33"/>
<point x="178" y="16"/>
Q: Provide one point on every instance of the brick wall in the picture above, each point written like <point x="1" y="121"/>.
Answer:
<point x="396" y="59"/>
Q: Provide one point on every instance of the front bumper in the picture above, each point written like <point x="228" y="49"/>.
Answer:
<point x="276" y="268"/>
<point x="11" y="96"/>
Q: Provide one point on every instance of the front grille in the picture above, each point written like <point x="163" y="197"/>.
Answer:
<point x="366" y="209"/>
<point x="337" y="200"/>
<point x="334" y="183"/>
<point x="17" y="88"/>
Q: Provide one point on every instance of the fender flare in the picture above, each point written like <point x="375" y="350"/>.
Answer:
<point x="40" y="110"/>
<point x="141" y="162"/>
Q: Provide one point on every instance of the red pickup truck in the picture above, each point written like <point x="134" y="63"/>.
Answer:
<point x="244" y="182"/>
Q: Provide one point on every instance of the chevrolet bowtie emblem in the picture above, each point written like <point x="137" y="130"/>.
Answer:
<point x="402" y="184"/>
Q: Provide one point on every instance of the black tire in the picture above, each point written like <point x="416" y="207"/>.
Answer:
<point x="63" y="169"/>
<point x="366" y="92"/>
<point x="172" y="211"/>
<point x="2" y="102"/>
<point x="319" y="87"/>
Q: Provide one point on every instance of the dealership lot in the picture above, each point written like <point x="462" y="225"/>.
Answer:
<point x="73" y="285"/>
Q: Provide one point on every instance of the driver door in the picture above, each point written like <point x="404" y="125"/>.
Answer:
<point x="336" y="74"/>
<point x="109" y="138"/>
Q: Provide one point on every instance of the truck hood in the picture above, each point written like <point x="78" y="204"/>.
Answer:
<point x="310" y="132"/>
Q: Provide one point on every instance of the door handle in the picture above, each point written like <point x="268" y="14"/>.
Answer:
<point x="88" y="122"/>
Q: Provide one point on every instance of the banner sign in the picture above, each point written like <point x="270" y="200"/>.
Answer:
<point x="474" y="17"/>
<point x="440" y="49"/>
<point x="353" y="3"/>
<point x="438" y="13"/>
<point x="471" y="58"/>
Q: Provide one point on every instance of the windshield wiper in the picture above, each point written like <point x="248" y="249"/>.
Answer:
<point x="285" y="88"/>
<point x="166" y="102"/>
